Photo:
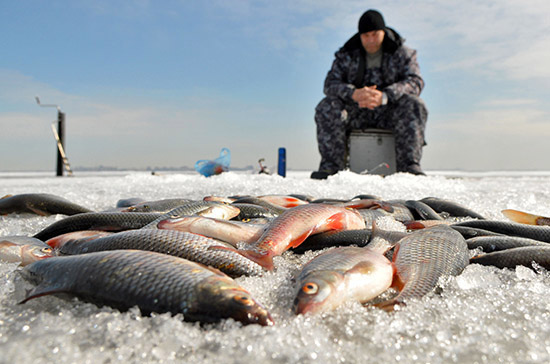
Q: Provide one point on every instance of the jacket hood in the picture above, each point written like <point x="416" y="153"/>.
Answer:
<point x="392" y="41"/>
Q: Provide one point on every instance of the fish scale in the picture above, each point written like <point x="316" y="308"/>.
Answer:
<point x="152" y="281"/>
<point x="424" y="256"/>
<point x="186" y="245"/>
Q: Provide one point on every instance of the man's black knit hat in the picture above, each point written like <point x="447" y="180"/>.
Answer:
<point x="371" y="20"/>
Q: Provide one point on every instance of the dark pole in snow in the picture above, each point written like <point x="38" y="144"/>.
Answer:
<point x="61" y="133"/>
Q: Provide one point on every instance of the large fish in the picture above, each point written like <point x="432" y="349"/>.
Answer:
<point x="424" y="256"/>
<point x="23" y="249"/>
<point x="231" y="232"/>
<point x="340" y="275"/>
<point x="39" y="203"/>
<point x="294" y="225"/>
<point x="152" y="281"/>
<point x="106" y="221"/>
<point x="186" y="245"/>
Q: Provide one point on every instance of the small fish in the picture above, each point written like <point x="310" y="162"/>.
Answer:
<point x="423" y="211"/>
<point x="283" y="201"/>
<point x="152" y="281"/>
<point x="200" y="208"/>
<point x="105" y="221"/>
<point x="197" y="248"/>
<point x="541" y="233"/>
<point x="454" y="209"/>
<point x="43" y="204"/>
<point x="250" y="211"/>
<point x="422" y="257"/>
<point x="340" y="275"/>
<point x="23" y="249"/>
<point x="525" y="217"/>
<point x="496" y="243"/>
<point x="335" y="238"/>
<point x="511" y="258"/>
<point x="163" y="205"/>
<point x="294" y="225"/>
<point x="229" y="231"/>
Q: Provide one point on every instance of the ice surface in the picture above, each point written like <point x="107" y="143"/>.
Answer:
<point x="485" y="315"/>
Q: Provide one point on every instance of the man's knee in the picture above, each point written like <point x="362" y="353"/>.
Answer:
<point x="330" y="109"/>
<point x="412" y="105"/>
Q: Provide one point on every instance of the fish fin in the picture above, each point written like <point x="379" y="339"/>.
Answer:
<point x="414" y="225"/>
<point x="336" y="221"/>
<point x="265" y="260"/>
<point x="300" y="239"/>
<point x="362" y="268"/>
<point x="6" y="196"/>
<point x="389" y="305"/>
<point x="369" y="204"/>
<point x="38" y="211"/>
<point x="6" y="244"/>
<point x="524" y="217"/>
<point x="40" y="291"/>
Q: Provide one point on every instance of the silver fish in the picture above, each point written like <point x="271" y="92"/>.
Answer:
<point x="152" y="281"/>
<point x="186" y="245"/>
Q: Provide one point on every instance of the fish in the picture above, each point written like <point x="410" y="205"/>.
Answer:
<point x="250" y="211"/>
<point x="341" y="275"/>
<point x="163" y="205"/>
<point x="511" y="258"/>
<point x="496" y="243"/>
<point x="105" y="221"/>
<point x="541" y="233"/>
<point x="274" y="209"/>
<point x="154" y="282"/>
<point x="229" y="231"/>
<point x="127" y="202"/>
<point x="283" y="201"/>
<point x="42" y="204"/>
<point x="525" y="217"/>
<point x="424" y="211"/>
<point x="200" y="208"/>
<point x="81" y="236"/>
<point x="421" y="258"/>
<point x="294" y="225"/>
<point x="23" y="249"/>
<point x="454" y="209"/>
<point x="197" y="248"/>
<point x="334" y="238"/>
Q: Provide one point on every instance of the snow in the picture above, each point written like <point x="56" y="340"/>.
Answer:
<point x="484" y="315"/>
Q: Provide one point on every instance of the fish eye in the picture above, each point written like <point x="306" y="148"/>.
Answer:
<point x="243" y="300"/>
<point x="46" y="250"/>
<point x="310" y="288"/>
<point x="246" y="219"/>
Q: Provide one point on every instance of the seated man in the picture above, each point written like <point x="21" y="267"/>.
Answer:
<point x="374" y="82"/>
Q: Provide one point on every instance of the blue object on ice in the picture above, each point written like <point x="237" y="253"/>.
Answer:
<point x="211" y="167"/>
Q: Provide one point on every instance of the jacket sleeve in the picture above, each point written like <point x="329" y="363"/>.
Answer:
<point x="409" y="80"/>
<point x="337" y="82"/>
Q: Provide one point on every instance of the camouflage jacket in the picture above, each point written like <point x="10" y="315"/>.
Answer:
<point x="399" y="72"/>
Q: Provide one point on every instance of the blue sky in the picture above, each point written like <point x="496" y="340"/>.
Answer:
<point x="166" y="83"/>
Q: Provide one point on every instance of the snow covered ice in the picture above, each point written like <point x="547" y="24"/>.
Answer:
<point x="484" y="315"/>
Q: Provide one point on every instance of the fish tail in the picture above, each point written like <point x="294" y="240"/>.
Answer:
<point x="265" y="260"/>
<point x="525" y="217"/>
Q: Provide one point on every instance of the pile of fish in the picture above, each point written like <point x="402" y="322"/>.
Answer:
<point x="181" y="256"/>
